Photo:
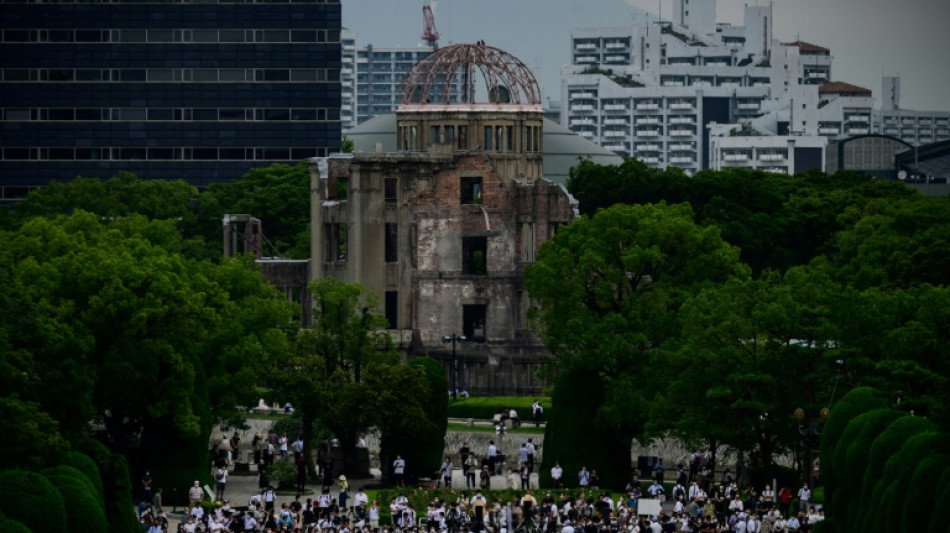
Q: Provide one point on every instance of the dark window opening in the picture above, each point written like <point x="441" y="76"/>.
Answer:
<point x="475" y="256"/>
<point x="392" y="241"/>
<point x="389" y="189"/>
<point x="463" y="138"/>
<point x="488" y="138"/>
<point x="473" y="322"/>
<point x="335" y="241"/>
<point x="470" y="190"/>
<point x="392" y="308"/>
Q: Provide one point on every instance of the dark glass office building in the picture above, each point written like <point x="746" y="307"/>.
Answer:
<point x="200" y="90"/>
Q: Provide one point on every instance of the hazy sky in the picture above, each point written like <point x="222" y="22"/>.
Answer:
<point x="910" y="38"/>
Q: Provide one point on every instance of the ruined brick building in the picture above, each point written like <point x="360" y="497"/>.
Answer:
<point x="443" y="227"/>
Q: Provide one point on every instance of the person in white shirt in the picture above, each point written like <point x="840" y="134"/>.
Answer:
<point x="568" y="527"/>
<point x="804" y="494"/>
<point x="360" y="498"/>
<point x="491" y="456"/>
<point x="556" y="473"/>
<point x="399" y="471"/>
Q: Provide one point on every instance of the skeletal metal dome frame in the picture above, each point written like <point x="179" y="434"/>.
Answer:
<point x="451" y="74"/>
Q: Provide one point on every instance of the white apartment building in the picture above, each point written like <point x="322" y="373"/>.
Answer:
<point x="372" y="77"/>
<point x="732" y="147"/>
<point x="913" y="127"/>
<point x="652" y="91"/>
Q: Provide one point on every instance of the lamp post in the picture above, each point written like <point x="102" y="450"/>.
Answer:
<point x="454" y="339"/>
<point x="811" y="429"/>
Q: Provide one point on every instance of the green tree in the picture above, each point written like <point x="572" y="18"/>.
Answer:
<point x="609" y="289"/>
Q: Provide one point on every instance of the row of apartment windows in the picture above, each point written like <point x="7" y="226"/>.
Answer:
<point x="158" y="154"/>
<point x="303" y="114"/>
<point x="171" y="75"/>
<point x="170" y="36"/>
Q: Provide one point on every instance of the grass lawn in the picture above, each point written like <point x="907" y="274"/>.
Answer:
<point x="458" y="426"/>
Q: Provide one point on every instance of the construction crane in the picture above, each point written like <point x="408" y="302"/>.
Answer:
<point x="429" y="33"/>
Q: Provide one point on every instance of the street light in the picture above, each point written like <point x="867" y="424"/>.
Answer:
<point x="811" y="429"/>
<point x="454" y="339"/>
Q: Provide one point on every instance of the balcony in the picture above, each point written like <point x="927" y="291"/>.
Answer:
<point x="588" y="134"/>
<point x="582" y="107"/>
<point x="648" y="120"/>
<point x="681" y="147"/>
<point x="585" y="59"/>
<point x="648" y="147"/>
<point x="682" y="120"/>
<point x="829" y="131"/>
<point x="650" y="160"/>
<point x="582" y="95"/>
<point x="582" y="122"/>
<point x="748" y="105"/>
<point x="730" y="84"/>
<point x="616" y="122"/>
<point x="818" y="75"/>
<point x="615" y="45"/>
<point x="648" y="133"/>
<point x="647" y="106"/>
<point x="616" y="59"/>
<point x="681" y="105"/>
<point x="735" y="158"/>
<point x="615" y="133"/>
<point x="681" y="133"/>
<point x="585" y="46"/>
<point x="858" y="131"/>
<point x="616" y="147"/>
<point x="682" y="160"/>
<point x="615" y="107"/>
<point x="859" y="118"/>
<point x="771" y="157"/>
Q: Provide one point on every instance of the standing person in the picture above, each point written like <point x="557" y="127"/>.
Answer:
<point x="282" y="442"/>
<point x="471" y="466"/>
<point x="399" y="471"/>
<point x="446" y="471"/>
<point x="557" y="474"/>
<point x="464" y="452"/>
<point x="147" y="487"/>
<point x="804" y="495"/>
<point x="256" y="444"/>
<point x="492" y="453"/>
<point x="583" y="477"/>
<point x="525" y="477"/>
<point x="784" y="500"/>
<point x="485" y="478"/>
<point x="531" y="450"/>
<point x="157" y="501"/>
<point x="768" y="497"/>
<point x="195" y="495"/>
<point x="536" y="412"/>
<point x="220" y="481"/>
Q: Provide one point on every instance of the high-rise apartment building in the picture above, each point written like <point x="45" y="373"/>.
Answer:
<point x="659" y="92"/>
<point x="200" y="90"/>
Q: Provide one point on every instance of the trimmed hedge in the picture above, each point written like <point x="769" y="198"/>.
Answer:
<point x="8" y="525"/>
<point x="87" y="466"/>
<point x="897" y="474"/>
<point x="921" y="493"/>
<point x="572" y="437"/>
<point x="851" y="460"/>
<point x="487" y="407"/>
<point x="32" y="500"/>
<point x="938" y="514"/>
<point x="424" y="458"/>
<point x="887" y="444"/>
<point x="116" y="487"/>
<point x="85" y="511"/>
<point x="853" y="404"/>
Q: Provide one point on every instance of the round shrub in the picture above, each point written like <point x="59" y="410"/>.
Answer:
<point x="87" y="466"/>
<point x="119" y="508"/>
<point x="84" y="509"/>
<point x="32" y="500"/>
<point x="69" y="472"/>
<point x="887" y="444"/>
